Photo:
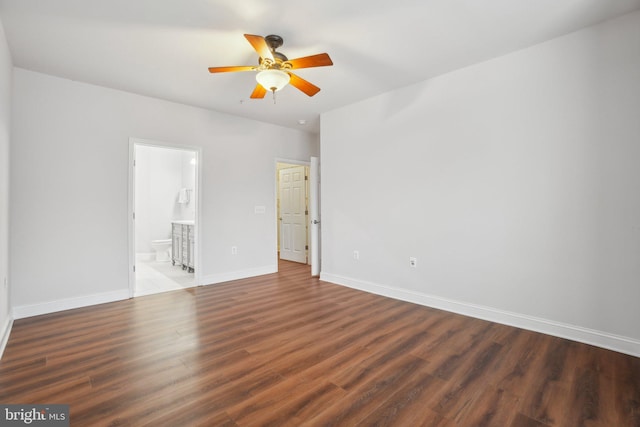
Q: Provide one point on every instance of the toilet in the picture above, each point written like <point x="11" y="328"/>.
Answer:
<point x="163" y="249"/>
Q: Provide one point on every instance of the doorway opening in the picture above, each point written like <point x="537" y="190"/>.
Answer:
<point x="164" y="212"/>
<point x="292" y="204"/>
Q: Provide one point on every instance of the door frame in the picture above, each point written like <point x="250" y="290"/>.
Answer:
<point x="131" y="206"/>
<point x="314" y="216"/>
<point x="275" y="195"/>
<point x="293" y="213"/>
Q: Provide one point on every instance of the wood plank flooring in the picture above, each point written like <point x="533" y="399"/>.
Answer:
<point x="289" y="350"/>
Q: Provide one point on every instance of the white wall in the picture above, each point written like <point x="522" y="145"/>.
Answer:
<point x="515" y="183"/>
<point x="6" y="69"/>
<point x="160" y="174"/>
<point x="69" y="188"/>
<point x="188" y="210"/>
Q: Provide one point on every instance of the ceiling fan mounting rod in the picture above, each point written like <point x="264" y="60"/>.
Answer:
<point x="279" y="60"/>
<point x="273" y="41"/>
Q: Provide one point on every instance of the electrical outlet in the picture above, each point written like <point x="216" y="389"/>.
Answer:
<point x="234" y="250"/>
<point x="413" y="262"/>
<point x="356" y="255"/>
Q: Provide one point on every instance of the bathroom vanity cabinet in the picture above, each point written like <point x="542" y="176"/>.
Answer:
<point x="182" y="244"/>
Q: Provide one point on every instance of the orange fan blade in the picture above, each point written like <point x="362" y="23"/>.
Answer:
<point x="319" y="60"/>
<point x="259" y="92"/>
<point x="229" y="69"/>
<point x="303" y="85"/>
<point x="260" y="45"/>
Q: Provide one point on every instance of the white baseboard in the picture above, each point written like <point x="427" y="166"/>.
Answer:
<point x="5" y="332"/>
<point x="23" y="311"/>
<point x="241" y="274"/>
<point x="575" y="333"/>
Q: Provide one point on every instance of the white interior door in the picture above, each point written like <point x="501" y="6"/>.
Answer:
<point x="293" y="223"/>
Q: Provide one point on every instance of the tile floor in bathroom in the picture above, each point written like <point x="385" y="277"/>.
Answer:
<point x="153" y="277"/>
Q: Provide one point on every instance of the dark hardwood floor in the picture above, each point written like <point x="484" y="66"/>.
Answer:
<point x="287" y="349"/>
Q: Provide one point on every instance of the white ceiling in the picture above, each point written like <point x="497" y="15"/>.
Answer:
<point x="162" y="48"/>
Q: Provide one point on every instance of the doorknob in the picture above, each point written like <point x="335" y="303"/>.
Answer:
<point x="315" y="221"/>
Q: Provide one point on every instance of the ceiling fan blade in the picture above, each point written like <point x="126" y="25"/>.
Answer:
<point x="259" y="92"/>
<point x="230" y="69"/>
<point x="260" y="45"/>
<point x="303" y="85"/>
<point x="319" y="60"/>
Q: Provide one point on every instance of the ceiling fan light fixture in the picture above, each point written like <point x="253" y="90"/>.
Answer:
<point x="273" y="80"/>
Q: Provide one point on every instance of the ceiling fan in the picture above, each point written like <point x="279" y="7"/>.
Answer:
<point x="274" y="68"/>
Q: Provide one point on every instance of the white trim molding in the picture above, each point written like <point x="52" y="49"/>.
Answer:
<point x="562" y="330"/>
<point x="23" y="311"/>
<point x="4" y="337"/>
<point x="212" y="279"/>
